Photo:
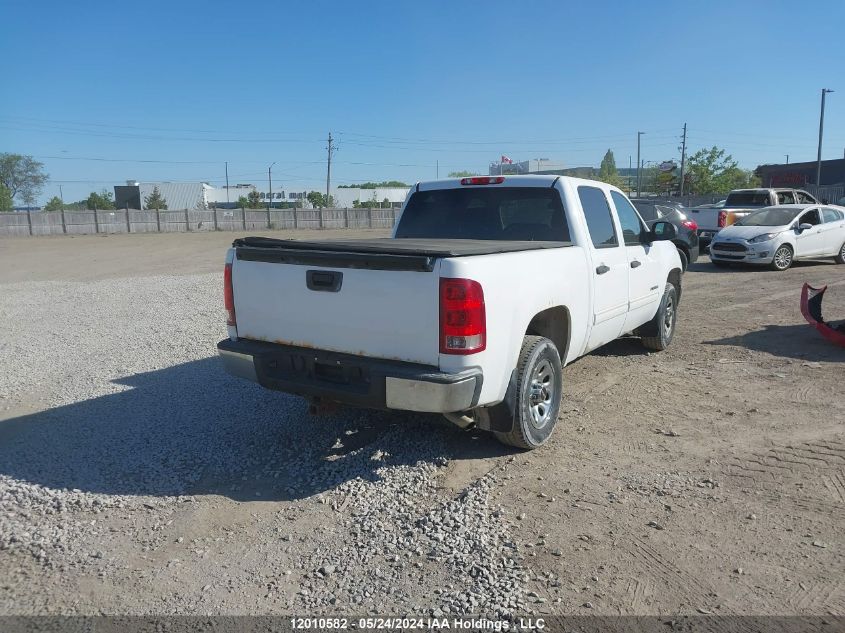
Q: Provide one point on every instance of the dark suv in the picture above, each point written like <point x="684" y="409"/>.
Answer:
<point x="686" y="240"/>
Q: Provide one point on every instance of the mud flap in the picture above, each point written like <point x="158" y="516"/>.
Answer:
<point x="811" y="308"/>
<point x="500" y="416"/>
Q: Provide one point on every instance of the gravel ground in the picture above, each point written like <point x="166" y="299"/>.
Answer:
<point x="137" y="478"/>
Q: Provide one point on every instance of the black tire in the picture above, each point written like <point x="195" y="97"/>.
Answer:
<point x="661" y="329"/>
<point x="840" y="258"/>
<point x="782" y="258"/>
<point x="539" y="388"/>
<point x="719" y="263"/>
<point x="684" y="259"/>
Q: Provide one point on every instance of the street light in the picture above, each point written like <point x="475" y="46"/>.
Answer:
<point x="270" y="185"/>
<point x="821" y="131"/>
<point x="639" y="182"/>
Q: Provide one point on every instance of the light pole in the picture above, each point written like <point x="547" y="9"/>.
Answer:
<point x="639" y="182"/>
<point x="787" y="159"/>
<point x="270" y="185"/>
<point x="821" y="131"/>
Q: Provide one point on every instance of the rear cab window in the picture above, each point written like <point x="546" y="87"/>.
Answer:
<point x="599" y="218"/>
<point x="488" y="212"/>
<point x="748" y="199"/>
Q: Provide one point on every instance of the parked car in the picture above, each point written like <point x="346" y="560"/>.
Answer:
<point x="686" y="240"/>
<point x="741" y="202"/>
<point x="777" y="236"/>
<point x="487" y="288"/>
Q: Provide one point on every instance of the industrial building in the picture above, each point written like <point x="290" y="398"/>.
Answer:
<point x="802" y="174"/>
<point x="533" y="166"/>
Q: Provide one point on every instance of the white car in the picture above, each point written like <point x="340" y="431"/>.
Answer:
<point x="777" y="236"/>
<point x="489" y="286"/>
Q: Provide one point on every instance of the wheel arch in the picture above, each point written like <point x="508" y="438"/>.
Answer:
<point x="554" y="324"/>
<point x="674" y="278"/>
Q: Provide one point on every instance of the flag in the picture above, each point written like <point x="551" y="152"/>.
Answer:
<point x="506" y="160"/>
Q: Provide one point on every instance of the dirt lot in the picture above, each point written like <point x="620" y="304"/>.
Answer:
<point x="135" y="477"/>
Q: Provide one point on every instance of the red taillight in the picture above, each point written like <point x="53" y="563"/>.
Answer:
<point x="483" y="180"/>
<point x="690" y="224"/>
<point x="723" y="218"/>
<point x="463" y="322"/>
<point x="229" y="295"/>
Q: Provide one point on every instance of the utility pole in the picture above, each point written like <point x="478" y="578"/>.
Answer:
<point x="270" y="185"/>
<point x="438" y="170"/>
<point x="329" y="169"/>
<point x="683" y="158"/>
<point x="639" y="182"/>
<point x="787" y="159"/>
<point x="62" y="196"/>
<point x="821" y="131"/>
<point x="227" y="183"/>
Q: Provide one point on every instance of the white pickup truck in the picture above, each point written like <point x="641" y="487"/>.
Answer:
<point x="738" y="204"/>
<point x="487" y="288"/>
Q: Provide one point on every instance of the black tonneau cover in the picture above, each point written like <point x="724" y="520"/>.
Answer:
<point x="377" y="254"/>
<point x="401" y="246"/>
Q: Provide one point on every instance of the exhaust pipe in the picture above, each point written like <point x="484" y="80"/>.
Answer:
<point x="465" y="420"/>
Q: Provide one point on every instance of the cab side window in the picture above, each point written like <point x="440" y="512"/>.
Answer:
<point x="785" y="197"/>
<point x="599" y="219"/>
<point x="804" y="198"/>
<point x="632" y="226"/>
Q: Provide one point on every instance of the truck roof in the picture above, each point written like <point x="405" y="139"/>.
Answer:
<point x="527" y="180"/>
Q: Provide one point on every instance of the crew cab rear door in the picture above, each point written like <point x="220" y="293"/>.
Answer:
<point x="644" y="283"/>
<point x="610" y="269"/>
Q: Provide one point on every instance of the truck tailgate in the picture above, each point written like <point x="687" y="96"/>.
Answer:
<point x="382" y="309"/>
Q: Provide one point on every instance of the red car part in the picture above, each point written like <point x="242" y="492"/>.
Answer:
<point x="811" y="308"/>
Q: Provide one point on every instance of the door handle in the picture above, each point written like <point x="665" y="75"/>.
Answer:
<point x="636" y="264"/>
<point x="600" y="270"/>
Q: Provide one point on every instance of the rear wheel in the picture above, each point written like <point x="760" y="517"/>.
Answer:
<point x="661" y="329"/>
<point x="783" y="258"/>
<point x="539" y="388"/>
<point x="840" y="258"/>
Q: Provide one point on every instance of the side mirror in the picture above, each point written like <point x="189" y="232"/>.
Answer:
<point x="662" y="231"/>
<point x="804" y="226"/>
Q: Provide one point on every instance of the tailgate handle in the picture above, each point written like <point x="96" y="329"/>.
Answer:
<point x="323" y="280"/>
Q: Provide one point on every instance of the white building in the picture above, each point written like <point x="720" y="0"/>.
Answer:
<point x="532" y="166"/>
<point x="346" y="197"/>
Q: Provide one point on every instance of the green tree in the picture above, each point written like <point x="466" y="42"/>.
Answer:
<point x="608" y="172"/>
<point x="102" y="200"/>
<point x="317" y="199"/>
<point x="243" y="202"/>
<point x="375" y="185"/>
<point x="155" y="200"/>
<point x="23" y="176"/>
<point x="253" y="200"/>
<point x="320" y="201"/>
<point x="462" y="174"/>
<point x="6" y="203"/>
<point x="714" y="171"/>
<point x="55" y="204"/>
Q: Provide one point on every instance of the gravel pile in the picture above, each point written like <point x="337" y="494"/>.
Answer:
<point x="133" y="415"/>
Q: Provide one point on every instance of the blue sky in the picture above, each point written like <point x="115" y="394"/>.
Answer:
<point x="403" y="85"/>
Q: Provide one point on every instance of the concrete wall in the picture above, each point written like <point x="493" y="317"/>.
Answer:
<point x="134" y="221"/>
